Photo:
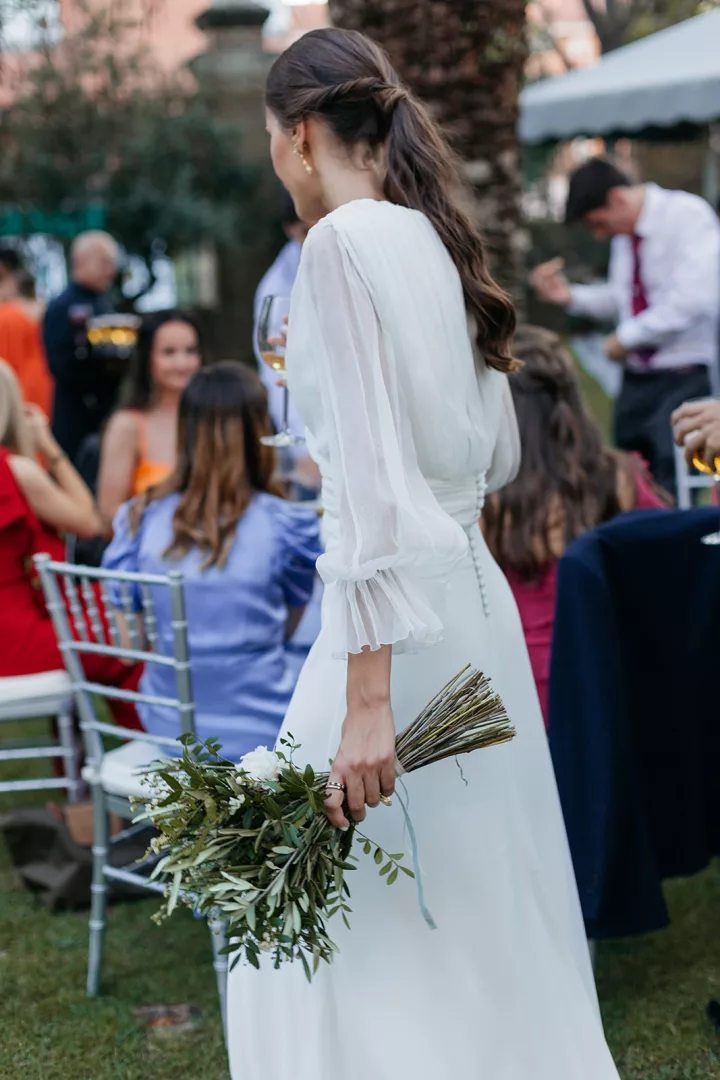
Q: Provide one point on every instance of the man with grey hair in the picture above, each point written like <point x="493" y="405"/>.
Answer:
<point x="85" y="390"/>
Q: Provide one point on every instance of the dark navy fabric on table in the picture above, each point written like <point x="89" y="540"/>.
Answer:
<point x="635" y="711"/>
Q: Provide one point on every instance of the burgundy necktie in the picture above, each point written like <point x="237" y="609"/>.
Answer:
<point x="639" y="297"/>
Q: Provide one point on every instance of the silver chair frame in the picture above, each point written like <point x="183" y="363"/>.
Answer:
<point x="65" y="746"/>
<point x="91" y="639"/>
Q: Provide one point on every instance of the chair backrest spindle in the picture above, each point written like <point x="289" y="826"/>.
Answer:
<point x="130" y="614"/>
<point x="149" y="619"/>
<point x="90" y="603"/>
<point x="76" y="611"/>
<point x="109" y="609"/>
<point x="107" y="599"/>
<point x="182" y="653"/>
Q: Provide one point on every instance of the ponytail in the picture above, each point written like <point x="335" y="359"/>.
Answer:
<point x="348" y="80"/>
<point x="423" y="174"/>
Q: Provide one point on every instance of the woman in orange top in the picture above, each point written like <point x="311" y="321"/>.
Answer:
<point x="138" y="446"/>
<point x="21" y="341"/>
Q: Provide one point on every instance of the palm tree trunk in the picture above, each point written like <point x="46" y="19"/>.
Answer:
<point x="465" y="59"/>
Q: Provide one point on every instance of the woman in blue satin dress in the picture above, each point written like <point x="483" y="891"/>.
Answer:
<point x="247" y="556"/>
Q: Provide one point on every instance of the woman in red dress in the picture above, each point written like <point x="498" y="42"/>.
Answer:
<point x="568" y="482"/>
<point x="36" y="505"/>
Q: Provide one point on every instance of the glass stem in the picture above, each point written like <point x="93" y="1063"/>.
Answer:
<point x="286" y="409"/>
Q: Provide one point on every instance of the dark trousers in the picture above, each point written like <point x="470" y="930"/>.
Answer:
<point x="643" y="410"/>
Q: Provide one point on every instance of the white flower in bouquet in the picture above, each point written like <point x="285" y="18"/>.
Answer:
<point x="260" y="764"/>
<point x="236" y="802"/>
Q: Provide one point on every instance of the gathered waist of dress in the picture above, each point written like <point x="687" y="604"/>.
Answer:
<point x="462" y="500"/>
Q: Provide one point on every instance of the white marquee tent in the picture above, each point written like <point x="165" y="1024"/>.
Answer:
<point x="669" y="78"/>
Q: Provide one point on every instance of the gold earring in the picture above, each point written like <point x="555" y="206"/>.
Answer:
<point x="306" y="164"/>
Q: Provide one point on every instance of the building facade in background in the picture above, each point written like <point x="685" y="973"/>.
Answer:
<point x="169" y="30"/>
<point x="561" y="37"/>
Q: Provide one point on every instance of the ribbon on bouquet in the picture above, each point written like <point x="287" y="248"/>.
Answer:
<point x="417" y="869"/>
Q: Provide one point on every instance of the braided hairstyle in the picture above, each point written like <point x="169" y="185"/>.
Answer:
<point x="348" y="81"/>
<point x="567" y="479"/>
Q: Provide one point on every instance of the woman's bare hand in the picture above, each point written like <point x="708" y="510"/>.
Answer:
<point x="364" y="764"/>
<point x="550" y="282"/>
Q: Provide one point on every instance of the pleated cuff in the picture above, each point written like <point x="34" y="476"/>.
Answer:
<point x="385" y="609"/>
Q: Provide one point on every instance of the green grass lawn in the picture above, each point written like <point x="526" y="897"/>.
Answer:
<point x="653" y="991"/>
<point x="49" y="1029"/>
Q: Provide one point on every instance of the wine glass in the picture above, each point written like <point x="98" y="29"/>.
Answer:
<point x="271" y="343"/>
<point x="713" y="470"/>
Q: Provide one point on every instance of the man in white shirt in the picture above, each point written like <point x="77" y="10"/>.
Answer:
<point x="662" y="294"/>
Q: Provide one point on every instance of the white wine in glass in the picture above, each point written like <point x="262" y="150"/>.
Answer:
<point x="710" y="469"/>
<point x="275" y="361"/>
<point x="271" y="344"/>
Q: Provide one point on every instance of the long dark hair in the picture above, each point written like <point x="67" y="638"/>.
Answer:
<point x="221" y="461"/>
<point x="140" y="388"/>
<point x="567" y="478"/>
<point x="347" y="80"/>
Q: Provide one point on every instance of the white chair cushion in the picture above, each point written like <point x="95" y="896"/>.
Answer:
<point x="121" y="769"/>
<point x="26" y="696"/>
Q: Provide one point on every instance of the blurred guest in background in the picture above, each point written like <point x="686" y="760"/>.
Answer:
<point x="138" y="445"/>
<point x="247" y="556"/>
<point x="85" y="389"/>
<point x="279" y="281"/>
<point x="27" y="295"/>
<point x="663" y="294"/>
<point x="21" y="340"/>
<point x="567" y="483"/>
<point x="10" y="264"/>
<point x="300" y="471"/>
<point x="37" y="505"/>
<point x="696" y="426"/>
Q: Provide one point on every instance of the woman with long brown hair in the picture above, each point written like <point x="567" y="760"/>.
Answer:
<point x="398" y="348"/>
<point x="568" y="482"/>
<point x="248" y="560"/>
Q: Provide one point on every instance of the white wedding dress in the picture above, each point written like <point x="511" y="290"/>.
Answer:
<point x="410" y="431"/>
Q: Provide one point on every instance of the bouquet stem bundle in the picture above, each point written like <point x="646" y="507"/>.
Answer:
<point x="251" y="843"/>
<point x="466" y="715"/>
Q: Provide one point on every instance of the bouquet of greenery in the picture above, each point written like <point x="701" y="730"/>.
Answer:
<point x="251" y="843"/>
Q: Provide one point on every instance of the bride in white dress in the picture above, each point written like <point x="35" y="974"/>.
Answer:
<point x="410" y="429"/>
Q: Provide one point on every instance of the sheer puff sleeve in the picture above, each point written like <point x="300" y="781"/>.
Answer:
<point x="388" y="541"/>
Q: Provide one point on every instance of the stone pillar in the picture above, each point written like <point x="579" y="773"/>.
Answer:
<point x="231" y="74"/>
